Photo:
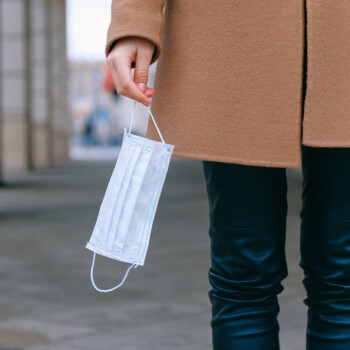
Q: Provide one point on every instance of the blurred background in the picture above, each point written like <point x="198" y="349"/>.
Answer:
<point x="57" y="93"/>
<point x="61" y="124"/>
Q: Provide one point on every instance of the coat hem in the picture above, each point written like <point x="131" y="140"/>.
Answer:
<point x="324" y="144"/>
<point x="296" y="164"/>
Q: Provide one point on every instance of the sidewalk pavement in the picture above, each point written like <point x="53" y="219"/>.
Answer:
<point x="47" y="300"/>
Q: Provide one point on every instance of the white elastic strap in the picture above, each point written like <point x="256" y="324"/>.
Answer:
<point x="132" y="115"/>
<point x="111" y="289"/>
<point x="154" y="121"/>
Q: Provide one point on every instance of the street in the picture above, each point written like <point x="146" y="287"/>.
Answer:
<point x="47" y="300"/>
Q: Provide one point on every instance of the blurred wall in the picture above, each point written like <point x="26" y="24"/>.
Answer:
<point x="34" y="115"/>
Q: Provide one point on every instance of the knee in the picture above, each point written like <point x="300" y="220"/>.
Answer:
<point x="325" y="288"/>
<point x="248" y="262"/>
<point x="325" y="256"/>
<point x="257" y="284"/>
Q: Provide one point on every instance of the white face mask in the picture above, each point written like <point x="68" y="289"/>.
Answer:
<point x="123" y="227"/>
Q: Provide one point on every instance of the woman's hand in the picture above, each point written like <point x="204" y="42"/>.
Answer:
<point x="127" y="50"/>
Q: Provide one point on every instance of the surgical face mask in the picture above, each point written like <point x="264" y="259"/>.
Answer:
<point x="124" y="223"/>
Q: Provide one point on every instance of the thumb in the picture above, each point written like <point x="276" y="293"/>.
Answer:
<point x="142" y="69"/>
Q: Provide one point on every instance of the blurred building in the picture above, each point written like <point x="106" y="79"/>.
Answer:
<point x="88" y="99"/>
<point x="34" y="113"/>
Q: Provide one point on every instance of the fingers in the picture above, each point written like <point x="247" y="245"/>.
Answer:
<point x="141" y="74"/>
<point x="119" y="61"/>
<point x="125" y="84"/>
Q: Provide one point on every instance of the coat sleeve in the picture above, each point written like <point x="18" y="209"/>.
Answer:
<point x="142" y="18"/>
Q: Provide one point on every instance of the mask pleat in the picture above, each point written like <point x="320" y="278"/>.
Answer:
<point x="112" y="194"/>
<point x="131" y="198"/>
<point x="135" y="152"/>
<point x="139" y="255"/>
<point x="143" y="210"/>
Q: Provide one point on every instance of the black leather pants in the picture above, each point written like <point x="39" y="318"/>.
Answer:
<point x="248" y="209"/>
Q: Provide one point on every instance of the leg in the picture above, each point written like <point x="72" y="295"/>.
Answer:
<point x="325" y="246"/>
<point x="248" y="209"/>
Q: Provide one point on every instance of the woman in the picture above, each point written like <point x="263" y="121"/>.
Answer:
<point x="252" y="88"/>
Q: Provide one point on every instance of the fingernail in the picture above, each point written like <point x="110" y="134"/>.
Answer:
<point x="141" y="86"/>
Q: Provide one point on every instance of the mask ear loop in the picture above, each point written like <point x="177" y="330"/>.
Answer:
<point x="111" y="289"/>
<point x="154" y="121"/>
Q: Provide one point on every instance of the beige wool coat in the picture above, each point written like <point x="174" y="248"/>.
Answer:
<point x="230" y="76"/>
